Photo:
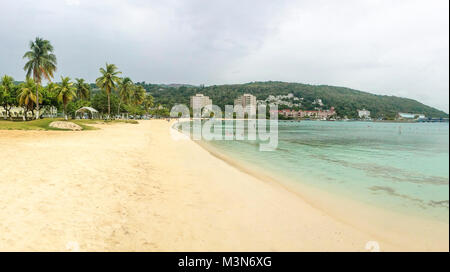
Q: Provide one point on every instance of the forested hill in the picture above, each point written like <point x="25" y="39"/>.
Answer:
<point x="345" y="100"/>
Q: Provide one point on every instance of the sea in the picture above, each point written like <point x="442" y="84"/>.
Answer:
<point x="400" y="169"/>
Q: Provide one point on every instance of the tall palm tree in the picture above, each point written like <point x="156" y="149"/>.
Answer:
<point x="27" y="97"/>
<point x="83" y="89"/>
<point x="108" y="81"/>
<point x="138" y="95"/>
<point x="66" y="92"/>
<point x="41" y="64"/>
<point x="125" y="91"/>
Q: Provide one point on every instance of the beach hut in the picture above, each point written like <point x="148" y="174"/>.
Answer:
<point x="90" y="112"/>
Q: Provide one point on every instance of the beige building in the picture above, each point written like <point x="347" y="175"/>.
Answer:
<point x="246" y="101"/>
<point x="199" y="101"/>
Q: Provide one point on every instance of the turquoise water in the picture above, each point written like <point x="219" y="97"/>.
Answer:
<point x="402" y="167"/>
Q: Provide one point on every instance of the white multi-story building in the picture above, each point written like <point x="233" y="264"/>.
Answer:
<point x="364" y="114"/>
<point x="199" y="101"/>
<point x="246" y="101"/>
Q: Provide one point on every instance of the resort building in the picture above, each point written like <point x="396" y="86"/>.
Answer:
<point x="14" y="112"/>
<point x="317" y="114"/>
<point x="410" y="116"/>
<point x="246" y="101"/>
<point x="199" y="101"/>
<point x="18" y="112"/>
<point x="364" y="114"/>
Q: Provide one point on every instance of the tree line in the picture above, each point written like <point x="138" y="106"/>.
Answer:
<point x="345" y="101"/>
<point x="117" y="95"/>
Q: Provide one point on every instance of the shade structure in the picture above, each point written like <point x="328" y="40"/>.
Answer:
<point x="91" y="111"/>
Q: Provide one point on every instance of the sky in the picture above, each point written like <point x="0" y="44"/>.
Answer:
<point x="387" y="47"/>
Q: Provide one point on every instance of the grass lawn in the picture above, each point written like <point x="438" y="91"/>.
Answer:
<point x="43" y="124"/>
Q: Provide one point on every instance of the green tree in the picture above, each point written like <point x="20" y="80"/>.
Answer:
<point x="66" y="93"/>
<point x="50" y="96"/>
<point x="138" y="95"/>
<point x="148" y="103"/>
<point x="125" y="91"/>
<point x="108" y="81"/>
<point x="100" y="101"/>
<point x="83" y="90"/>
<point x="7" y="94"/>
<point x="27" y="98"/>
<point x="41" y="64"/>
<point x="75" y="105"/>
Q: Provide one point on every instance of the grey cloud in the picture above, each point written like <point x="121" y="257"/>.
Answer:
<point x="388" y="47"/>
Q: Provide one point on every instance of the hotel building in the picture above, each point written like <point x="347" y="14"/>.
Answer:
<point x="246" y="101"/>
<point x="199" y="101"/>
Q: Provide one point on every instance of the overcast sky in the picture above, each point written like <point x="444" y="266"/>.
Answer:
<point x="395" y="47"/>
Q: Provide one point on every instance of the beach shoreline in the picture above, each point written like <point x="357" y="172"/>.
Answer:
<point x="403" y="230"/>
<point x="133" y="188"/>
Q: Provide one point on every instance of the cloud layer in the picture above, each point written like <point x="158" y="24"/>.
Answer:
<point x="388" y="47"/>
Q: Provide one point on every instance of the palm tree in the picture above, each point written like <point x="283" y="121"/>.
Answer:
<point x="41" y="63"/>
<point x="7" y="83"/>
<point x="51" y="87"/>
<point x="52" y="92"/>
<point x="138" y="95"/>
<point x="108" y="81"/>
<point x="148" y="103"/>
<point x="66" y="92"/>
<point x="125" y="91"/>
<point x="83" y="89"/>
<point x="6" y="90"/>
<point x="27" y="97"/>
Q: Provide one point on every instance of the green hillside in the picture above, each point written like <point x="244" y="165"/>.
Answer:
<point x="345" y="100"/>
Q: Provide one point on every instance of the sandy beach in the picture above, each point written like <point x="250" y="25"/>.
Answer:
<point x="132" y="187"/>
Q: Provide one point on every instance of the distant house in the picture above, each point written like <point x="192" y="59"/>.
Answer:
<point x="410" y="116"/>
<point x="318" y="101"/>
<point x="364" y="114"/>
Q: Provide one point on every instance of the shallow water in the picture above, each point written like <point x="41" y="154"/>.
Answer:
<point x="401" y="167"/>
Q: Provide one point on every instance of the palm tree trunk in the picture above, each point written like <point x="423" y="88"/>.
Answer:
<point x="118" y="108"/>
<point x="109" y="105"/>
<point x="37" y="101"/>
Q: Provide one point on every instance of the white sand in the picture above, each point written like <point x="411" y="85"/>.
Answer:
<point x="132" y="188"/>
